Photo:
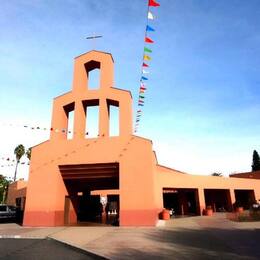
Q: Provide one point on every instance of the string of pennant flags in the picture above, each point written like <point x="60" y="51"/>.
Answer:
<point x="67" y="154"/>
<point x="75" y="150"/>
<point x="8" y="162"/>
<point x="145" y="61"/>
<point x="47" y="129"/>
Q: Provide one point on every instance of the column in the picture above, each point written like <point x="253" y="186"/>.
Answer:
<point x="103" y="118"/>
<point x="79" y="121"/>
<point x="202" y="202"/>
<point x="232" y="197"/>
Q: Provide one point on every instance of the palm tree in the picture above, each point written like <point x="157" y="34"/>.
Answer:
<point x="19" y="151"/>
<point x="29" y="153"/>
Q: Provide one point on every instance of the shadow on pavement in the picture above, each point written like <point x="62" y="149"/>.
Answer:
<point x="194" y="244"/>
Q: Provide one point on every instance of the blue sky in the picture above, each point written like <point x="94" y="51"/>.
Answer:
<point x="202" y="105"/>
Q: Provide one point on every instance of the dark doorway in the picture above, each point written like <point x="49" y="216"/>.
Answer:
<point x="80" y="180"/>
<point x="218" y="199"/>
<point x="182" y="201"/>
<point x="245" y="198"/>
<point x="89" y="208"/>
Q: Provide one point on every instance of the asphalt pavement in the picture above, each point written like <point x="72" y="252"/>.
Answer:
<point x="41" y="249"/>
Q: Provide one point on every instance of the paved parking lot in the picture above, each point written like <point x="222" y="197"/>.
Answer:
<point x="185" y="238"/>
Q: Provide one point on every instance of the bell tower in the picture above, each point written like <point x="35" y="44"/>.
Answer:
<point x="82" y="97"/>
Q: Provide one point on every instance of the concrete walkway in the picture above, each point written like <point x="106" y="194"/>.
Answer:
<point x="184" y="238"/>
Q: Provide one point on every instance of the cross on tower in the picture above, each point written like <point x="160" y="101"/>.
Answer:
<point x="93" y="38"/>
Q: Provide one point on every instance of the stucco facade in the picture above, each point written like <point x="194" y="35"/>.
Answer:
<point x="123" y="165"/>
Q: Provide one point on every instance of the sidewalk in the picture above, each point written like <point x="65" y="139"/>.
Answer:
<point x="185" y="238"/>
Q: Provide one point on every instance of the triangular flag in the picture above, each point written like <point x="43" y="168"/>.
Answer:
<point x="145" y="72"/>
<point x="141" y="96"/>
<point x="146" y="57"/>
<point x="144" y="78"/>
<point x="147" y="50"/>
<point x="150" y="15"/>
<point x="142" y="88"/>
<point x="149" y="28"/>
<point x="148" y="40"/>
<point x="153" y="3"/>
<point x="141" y="91"/>
<point x="140" y="105"/>
<point x="139" y="111"/>
<point x="145" y="65"/>
<point x="140" y="101"/>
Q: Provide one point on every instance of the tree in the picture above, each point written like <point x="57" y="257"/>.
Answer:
<point x="29" y="153"/>
<point x="4" y="182"/>
<point x="19" y="151"/>
<point x="256" y="161"/>
<point x="219" y="174"/>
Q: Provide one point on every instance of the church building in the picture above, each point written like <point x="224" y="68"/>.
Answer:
<point x="75" y="178"/>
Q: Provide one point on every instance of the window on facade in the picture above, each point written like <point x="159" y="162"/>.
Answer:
<point x="70" y="125"/>
<point x="69" y="110"/>
<point x="94" y="79"/>
<point x="93" y="74"/>
<point x="92" y="118"/>
<point x="113" y="109"/>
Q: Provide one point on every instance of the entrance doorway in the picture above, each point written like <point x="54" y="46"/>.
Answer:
<point x="218" y="199"/>
<point x="245" y="198"/>
<point x="80" y="205"/>
<point x="182" y="201"/>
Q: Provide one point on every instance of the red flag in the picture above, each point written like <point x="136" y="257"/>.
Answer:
<point x="148" y="40"/>
<point x="145" y="65"/>
<point x="153" y="3"/>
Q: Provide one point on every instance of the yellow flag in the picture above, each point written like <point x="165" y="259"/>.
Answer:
<point x="146" y="57"/>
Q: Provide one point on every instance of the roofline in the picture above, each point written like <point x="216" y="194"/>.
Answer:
<point x="40" y="143"/>
<point x="95" y="51"/>
<point x="168" y="168"/>
<point x="240" y="173"/>
<point x="146" y="139"/>
<point x="124" y="90"/>
<point x="63" y="94"/>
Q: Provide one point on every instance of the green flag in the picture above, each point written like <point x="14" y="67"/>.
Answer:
<point x="147" y="49"/>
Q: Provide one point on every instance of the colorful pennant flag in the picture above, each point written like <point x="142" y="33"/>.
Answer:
<point x="147" y="50"/>
<point x="150" y="16"/>
<point x="145" y="65"/>
<point x="143" y="78"/>
<point x="148" y="40"/>
<point x="149" y="28"/>
<point x="146" y="57"/>
<point x="153" y="3"/>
